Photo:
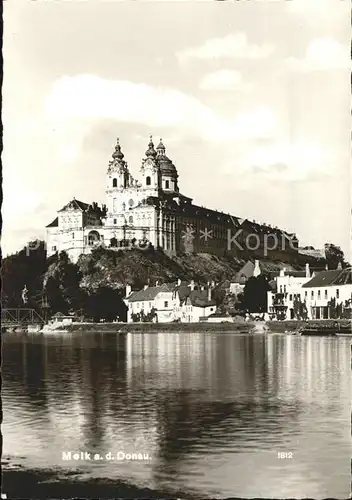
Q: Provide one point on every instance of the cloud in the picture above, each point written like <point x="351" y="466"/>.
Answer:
<point x="87" y="97"/>
<point x="224" y="80"/>
<point x="287" y="161"/>
<point x="233" y="46"/>
<point x="322" y="54"/>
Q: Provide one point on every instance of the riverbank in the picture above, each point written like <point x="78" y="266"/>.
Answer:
<point x="230" y="327"/>
<point x="44" y="484"/>
<point x="319" y="324"/>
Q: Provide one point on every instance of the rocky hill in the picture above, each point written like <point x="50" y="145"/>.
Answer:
<point x="96" y="284"/>
<point x="138" y="267"/>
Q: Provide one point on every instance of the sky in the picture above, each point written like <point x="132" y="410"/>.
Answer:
<point x="251" y="99"/>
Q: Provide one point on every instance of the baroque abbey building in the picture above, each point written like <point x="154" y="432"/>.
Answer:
<point x="152" y="211"/>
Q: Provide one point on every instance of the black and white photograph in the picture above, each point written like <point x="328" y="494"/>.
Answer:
<point x="176" y="300"/>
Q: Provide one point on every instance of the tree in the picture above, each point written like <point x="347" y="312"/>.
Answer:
<point x="105" y="303"/>
<point x="136" y="317"/>
<point x="299" y="308"/>
<point x="334" y="255"/>
<point x="150" y="316"/>
<point x="62" y="286"/>
<point x="26" y="267"/>
<point x="113" y="242"/>
<point x="255" y="294"/>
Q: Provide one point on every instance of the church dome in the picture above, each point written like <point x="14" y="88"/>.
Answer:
<point x="165" y="164"/>
<point x="118" y="154"/>
<point x="151" y="153"/>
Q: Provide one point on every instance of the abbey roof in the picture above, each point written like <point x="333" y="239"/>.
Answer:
<point x="75" y="205"/>
<point x="54" y="223"/>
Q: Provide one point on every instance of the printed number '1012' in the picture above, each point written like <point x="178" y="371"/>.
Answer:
<point x="284" y="454"/>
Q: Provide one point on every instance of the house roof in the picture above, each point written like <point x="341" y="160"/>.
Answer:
<point x="199" y="298"/>
<point x="296" y="274"/>
<point x="266" y="267"/>
<point x="148" y="294"/>
<point x="345" y="277"/>
<point x="54" y="223"/>
<point x="75" y="205"/>
<point x="330" y="278"/>
<point x="185" y="207"/>
<point x="183" y="291"/>
<point x="245" y="272"/>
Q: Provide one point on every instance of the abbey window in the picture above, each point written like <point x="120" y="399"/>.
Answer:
<point x="167" y="183"/>
<point x="114" y="183"/>
<point x="148" y="180"/>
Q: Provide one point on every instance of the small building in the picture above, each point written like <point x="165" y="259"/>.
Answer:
<point x="192" y="305"/>
<point x="285" y="290"/>
<point x="61" y="319"/>
<point x="220" y="318"/>
<point x="155" y="302"/>
<point x="255" y="268"/>
<point x="180" y="301"/>
<point x="328" y="294"/>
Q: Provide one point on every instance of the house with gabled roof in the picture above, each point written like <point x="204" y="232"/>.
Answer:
<point x="153" y="301"/>
<point x="328" y="289"/>
<point x="285" y="291"/>
<point x="180" y="301"/>
<point x="193" y="303"/>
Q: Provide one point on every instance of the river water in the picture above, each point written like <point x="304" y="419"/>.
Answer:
<point x="212" y="411"/>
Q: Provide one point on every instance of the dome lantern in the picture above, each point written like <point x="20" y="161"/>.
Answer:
<point x="150" y="153"/>
<point x="161" y="148"/>
<point x="118" y="154"/>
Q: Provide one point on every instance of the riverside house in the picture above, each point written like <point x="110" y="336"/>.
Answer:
<point x="288" y="288"/>
<point x="326" y="294"/>
<point x="153" y="301"/>
<point x="180" y="301"/>
<point x="191" y="305"/>
<point x="326" y="291"/>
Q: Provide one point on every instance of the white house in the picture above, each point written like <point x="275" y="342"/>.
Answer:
<point x="171" y="302"/>
<point x="191" y="304"/>
<point x="151" y="298"/>
<point x="324" y="287"/>
<point x="288" y="288"/>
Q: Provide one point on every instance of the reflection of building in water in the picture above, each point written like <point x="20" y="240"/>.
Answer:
<point x="168" y="357"/>
<point x="296" y="367"/>
<point x="190" y="361"/>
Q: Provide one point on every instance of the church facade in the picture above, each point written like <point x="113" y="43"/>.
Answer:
<point x="152" y="211"/>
